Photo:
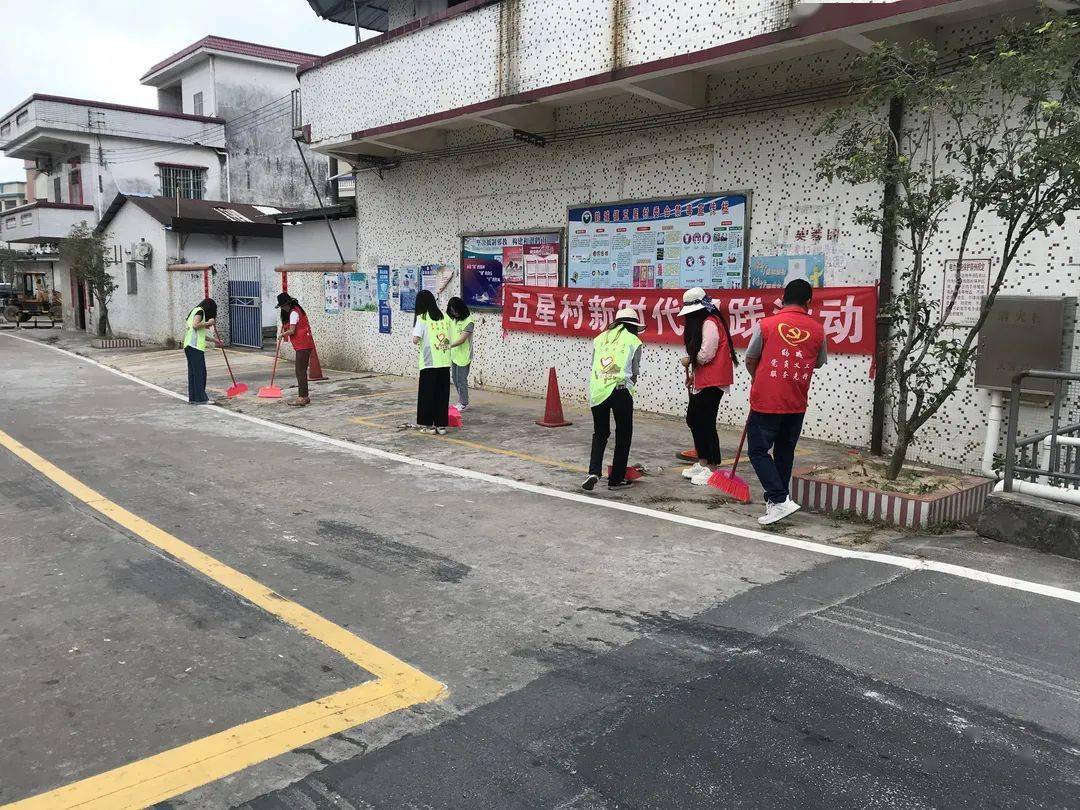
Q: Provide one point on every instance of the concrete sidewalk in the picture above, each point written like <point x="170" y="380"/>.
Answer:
<point x="499" y="436"/>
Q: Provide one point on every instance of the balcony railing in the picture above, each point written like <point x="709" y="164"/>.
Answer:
<point x="43" y="222"/>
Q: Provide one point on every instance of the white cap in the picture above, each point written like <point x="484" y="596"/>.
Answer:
<point x="692" y="301"/>
<point x="627" y="315"/>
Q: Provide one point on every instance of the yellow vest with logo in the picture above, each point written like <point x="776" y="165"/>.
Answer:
<point x="460" y="355"/>
<point x="433" y="350"/>
<point x="613" y="363"/>
<point x="195" y="337"/>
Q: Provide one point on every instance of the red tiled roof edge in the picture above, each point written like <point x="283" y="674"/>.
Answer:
<point x="238" y="47"/>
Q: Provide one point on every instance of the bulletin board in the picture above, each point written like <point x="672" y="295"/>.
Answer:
<point x="667" y="243"/>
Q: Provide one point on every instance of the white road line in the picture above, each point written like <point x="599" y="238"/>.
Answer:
<point x="910" y="563"/>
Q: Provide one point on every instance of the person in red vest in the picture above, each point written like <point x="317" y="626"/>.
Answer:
<point x="710" y="370"/>
<point x="296" y="329"/>
<point x="784" y="350"/>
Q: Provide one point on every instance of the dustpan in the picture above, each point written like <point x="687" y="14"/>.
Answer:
<point x="236" y="389"/>
<point x="272" y="391"/>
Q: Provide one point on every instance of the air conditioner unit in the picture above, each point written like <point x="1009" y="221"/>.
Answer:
<point x="141" y="252"/>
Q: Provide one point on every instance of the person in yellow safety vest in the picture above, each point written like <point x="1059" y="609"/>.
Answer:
<point x="461" y="334"/>
<point x="431" y="334"/>
<point x="198" y="321"/>
<point x="615" y="363"/>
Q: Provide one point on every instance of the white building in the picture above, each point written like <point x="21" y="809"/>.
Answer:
<point x="167" y="254"/>
<point x="222" y="131"/>
<point x="249" y="87"/>
<point x="497" y="117"/>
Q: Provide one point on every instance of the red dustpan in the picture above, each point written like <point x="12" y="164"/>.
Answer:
<point x="272" y="391"/>
<point x="236" y="389"/>
<point x="727" y="481"/>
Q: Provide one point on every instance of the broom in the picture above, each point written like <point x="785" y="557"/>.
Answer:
<point x="236" y="389"/>
<point x="272" y="391"/>
<point x="728" y="482"/>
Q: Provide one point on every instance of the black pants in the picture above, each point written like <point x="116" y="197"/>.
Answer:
<point x="196" y="374"/>
<point x="701" y="419"/>
<point x="433" y="397"/>
<point x="778" y="432"/>
<point x="303" y="357"/>
<point x="621" y="404"/>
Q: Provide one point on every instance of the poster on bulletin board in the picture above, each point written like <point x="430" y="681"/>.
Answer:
<point x="776" y="271"/>
<point x="671" y="243"/>
<point x="489" y="260"/>
<point x="384" y="317"/>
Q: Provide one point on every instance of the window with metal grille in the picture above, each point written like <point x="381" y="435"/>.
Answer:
<point x="181" y="181"/>
<point x="196" y="104"/>
<point x="132" y="278"/>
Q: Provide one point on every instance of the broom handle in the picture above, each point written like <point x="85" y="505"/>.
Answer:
<point x="738" y="453"/>
<point x="277" y="353"/>
<point x="224" y="354"/>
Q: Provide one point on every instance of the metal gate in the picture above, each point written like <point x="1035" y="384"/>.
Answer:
<point x="245" y="301"/>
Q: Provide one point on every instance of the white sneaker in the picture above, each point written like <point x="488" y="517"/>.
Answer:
<point x="778" y="511"/>
<point x="427" y="429"/>
<point x="701" y="477"/>
<point x="693" y="469"/>
<point x="441" y="431"/>
<point x="461" y="408"/>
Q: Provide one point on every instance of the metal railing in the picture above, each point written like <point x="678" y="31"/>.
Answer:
<point x="1024" y="458"/>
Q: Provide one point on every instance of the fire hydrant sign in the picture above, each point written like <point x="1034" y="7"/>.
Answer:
<point x="674" y="243"/>
<point x="848" y="314"/>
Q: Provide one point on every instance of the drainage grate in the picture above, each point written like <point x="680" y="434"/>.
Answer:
<point x="116" y="343"/>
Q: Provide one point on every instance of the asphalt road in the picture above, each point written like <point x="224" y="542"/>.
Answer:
<point x="592" y="658"/>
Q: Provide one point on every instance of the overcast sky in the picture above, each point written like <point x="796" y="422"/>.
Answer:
<point x="98" y="49"/>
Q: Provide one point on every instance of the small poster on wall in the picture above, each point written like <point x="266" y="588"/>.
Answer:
<point x="410" y="286"/>
<point x="335" y="292"/>
<point x="490" y="260"/>
<point x="777" y="271"/>
<point x="361" y="293"/>
<point x="384" y="317"/>
<point x="395" y="283"/>
<point x="974" y="281"/>
<point x="383" y="272"/>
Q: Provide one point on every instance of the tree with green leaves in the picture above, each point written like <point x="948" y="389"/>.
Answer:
<point x="7" y="265"/>
<point x="83" y="250"/>
<point x="989" y="138"/>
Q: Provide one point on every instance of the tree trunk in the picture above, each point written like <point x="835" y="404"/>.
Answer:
<point x="103" y="327"/>
<point x="898" y="457"/>
<point x="903" y="434"/>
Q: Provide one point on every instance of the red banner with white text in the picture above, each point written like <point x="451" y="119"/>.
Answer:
<point x="849" y="314"/>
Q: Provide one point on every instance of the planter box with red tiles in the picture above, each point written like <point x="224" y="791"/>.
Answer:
<point x="819" y="494"/>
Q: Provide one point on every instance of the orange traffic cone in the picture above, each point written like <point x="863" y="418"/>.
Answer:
<point x="553" y="415"/>
<point x="314" y="369"/>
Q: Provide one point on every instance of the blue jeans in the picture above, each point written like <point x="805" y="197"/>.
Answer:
<point x="779" y="433"/>
<point x="196" y="374"/>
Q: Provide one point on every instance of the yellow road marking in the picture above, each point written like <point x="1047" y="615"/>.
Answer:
<point x="178" y="770"/>
<point x="351" y="397"/>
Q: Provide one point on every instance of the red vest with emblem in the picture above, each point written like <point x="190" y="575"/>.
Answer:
<point x="301" y="338"/>
<point x="718" y="371"/>
<point x="791" y="340"/>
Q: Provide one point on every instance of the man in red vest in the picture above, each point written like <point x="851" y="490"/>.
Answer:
<point x="784" y="351"/>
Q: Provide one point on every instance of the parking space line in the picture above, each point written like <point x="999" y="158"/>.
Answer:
<point x="139" y="784"/>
